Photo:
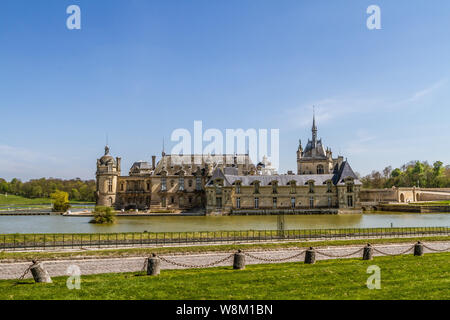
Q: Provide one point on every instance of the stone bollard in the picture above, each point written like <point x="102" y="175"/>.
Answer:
<point x="310" y="256"/>
<point x="239" y="261"/>
<point x="418" y="249"/>
<point x="40" y="275"/>
<point x="153" y="265"/>
<point x="368" y="252"/>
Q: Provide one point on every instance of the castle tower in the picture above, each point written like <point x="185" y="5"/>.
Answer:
<point x="108" y="170"/>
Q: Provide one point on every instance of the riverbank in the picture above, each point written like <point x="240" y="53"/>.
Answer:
<point x="414" y="208"/>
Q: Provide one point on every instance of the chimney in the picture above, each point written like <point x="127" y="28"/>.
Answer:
<point x="153" y="162"/>
<point x="118" y="161"/>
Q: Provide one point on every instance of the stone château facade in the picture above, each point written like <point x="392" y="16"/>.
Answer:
<point x="232" y="184"/>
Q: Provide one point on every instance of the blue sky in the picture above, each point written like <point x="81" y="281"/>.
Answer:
<point x="139" y="69"/>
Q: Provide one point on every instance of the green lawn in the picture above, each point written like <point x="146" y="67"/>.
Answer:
<point x="402" y="277"/>
<point x="19" y="201"/>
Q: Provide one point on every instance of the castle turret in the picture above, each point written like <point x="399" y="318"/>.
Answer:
<point x="108" y="170"/>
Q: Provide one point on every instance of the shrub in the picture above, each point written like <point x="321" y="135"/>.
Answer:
<point x="60" y="201"/>
<point x="103" y="215"/>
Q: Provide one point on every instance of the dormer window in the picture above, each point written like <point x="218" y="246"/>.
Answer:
<point x="238" y="187"/>
<point x="256" y="186"/>
<point x="329" y="187"/>
<point x="275" y="187"/>
<point x="293" y="187"/>
<point x="349" y="187"/>
<point x="311" y="187"/>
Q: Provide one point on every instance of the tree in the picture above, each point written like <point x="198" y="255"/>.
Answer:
<point x="60" y="201"/>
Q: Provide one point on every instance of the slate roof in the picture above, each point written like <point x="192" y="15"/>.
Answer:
<point x="337" y="178"/>
<point x="141" y="165"/>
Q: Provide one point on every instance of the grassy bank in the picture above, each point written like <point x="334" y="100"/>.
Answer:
<point x="402" y="277"/>
<point x="145" y="252"/>
<point x="13" y="200"/>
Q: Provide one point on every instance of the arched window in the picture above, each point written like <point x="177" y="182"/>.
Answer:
<point x="320" y="169"/>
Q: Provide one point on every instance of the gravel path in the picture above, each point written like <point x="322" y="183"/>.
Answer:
<point x="134" y="264"/>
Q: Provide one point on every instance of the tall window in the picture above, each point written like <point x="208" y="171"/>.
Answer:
<point x="148" y="186"/>
<point x="330" y="203"/>
<point x="329" y="186"/>
<point x="274" y="202"/>
<point x="320" y="169"/>
<point x="350" y="201"/>
<point x="238" y="187"/>
<point x="121" y="187"/>
<point x="181" y="184"/>
<point x="163" y="184"/>
<point x="350" y="187"/>
<point x="311" y="187"/>
<point x="311" y="202"/>
<point x="198" y="183"/>
<point x="110" y="185"/>
<point x="293" y="187"/>
<point x="163" y="202"/>
<point x="256" y="203"/>
<point x="238" y="203"/>
<point x="218" y="187"/>
<point x="293" y="202"/>
<point x="219" y="202"/>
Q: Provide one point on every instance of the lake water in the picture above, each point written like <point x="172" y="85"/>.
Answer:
<point x="61" y="224"/>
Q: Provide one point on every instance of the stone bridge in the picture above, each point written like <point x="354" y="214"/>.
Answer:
<point x="405" y="195"/>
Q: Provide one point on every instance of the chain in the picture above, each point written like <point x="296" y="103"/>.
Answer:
<point x="183" y="265"/>
<point x="393" y="254"/>
<point x="274" y="260"/>
<point x="437" y="250"/>
<point x="144" y="268"/>
<point x="343" y="256"/>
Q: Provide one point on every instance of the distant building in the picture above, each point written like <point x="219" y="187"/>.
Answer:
<point x="231" y="184"/>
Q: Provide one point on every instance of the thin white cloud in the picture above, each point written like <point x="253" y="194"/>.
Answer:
<point x="328" y="109"/>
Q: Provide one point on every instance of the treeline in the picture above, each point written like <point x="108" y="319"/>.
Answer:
<point x="413" y="173"/>
<point x="77" y="189"/>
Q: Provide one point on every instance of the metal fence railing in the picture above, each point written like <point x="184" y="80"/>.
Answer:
<point x="11" y="242"/>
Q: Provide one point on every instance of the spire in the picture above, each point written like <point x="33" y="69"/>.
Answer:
<point x="314" y="128"/>
<point x="163" y="149"/>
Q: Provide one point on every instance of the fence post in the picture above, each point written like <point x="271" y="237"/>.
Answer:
<point x="418" y="249"/>
<point x="40" y="275"/>
<point x="310" y="256"/>
<point x="153" y="265"/>
<point x="239" y="261"/>
<point x="368" y="252"/>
